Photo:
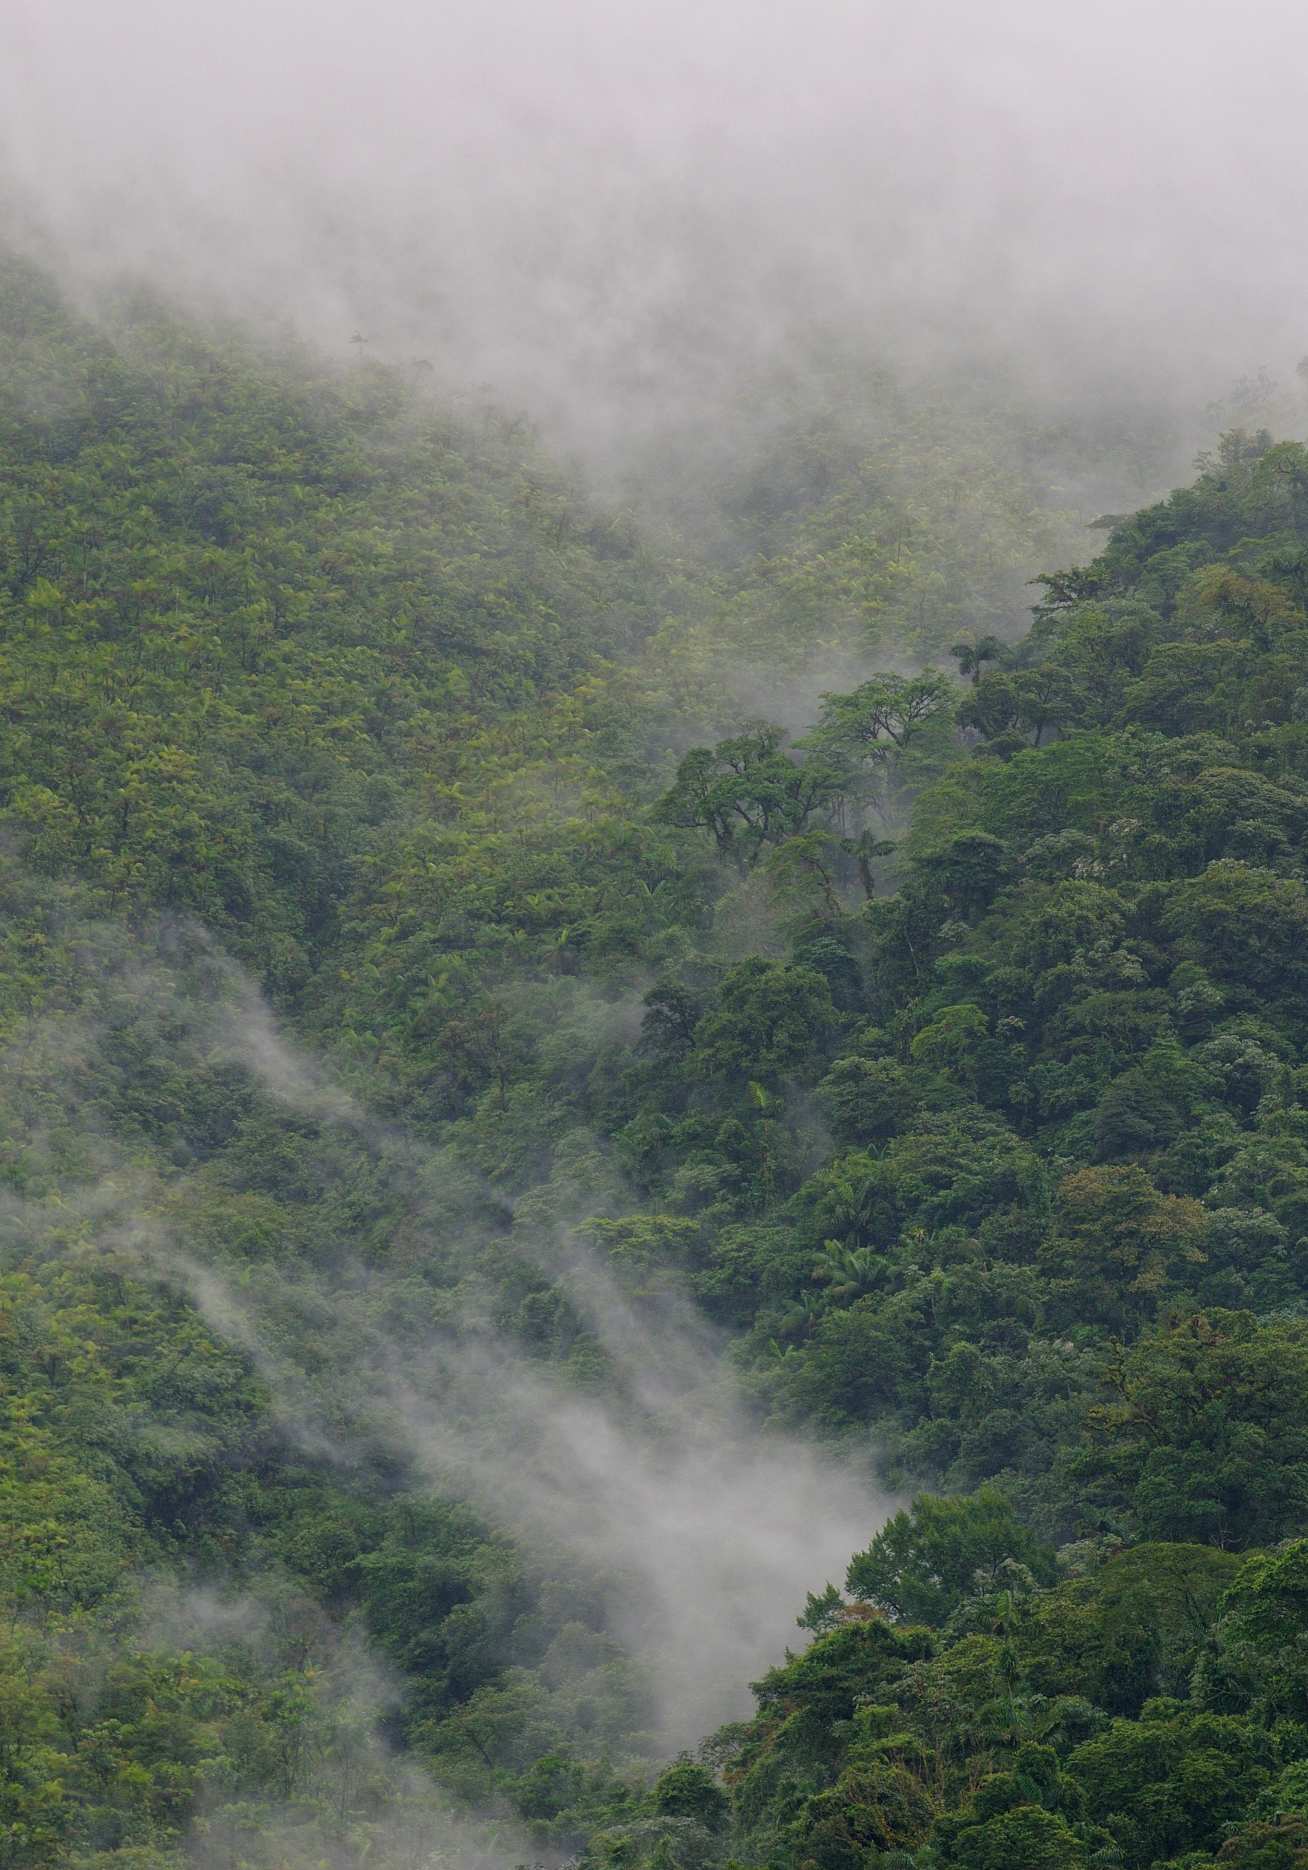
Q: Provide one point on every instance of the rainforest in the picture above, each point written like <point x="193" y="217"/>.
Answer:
<point x="653" y="997"/>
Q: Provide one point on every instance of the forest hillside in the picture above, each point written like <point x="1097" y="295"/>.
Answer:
<point x="602" y="1108"/>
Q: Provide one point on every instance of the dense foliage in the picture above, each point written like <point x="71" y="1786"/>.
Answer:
<point x="946" y="1045"/>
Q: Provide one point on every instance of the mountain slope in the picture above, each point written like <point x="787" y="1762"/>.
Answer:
<point x="485" y="1183"/>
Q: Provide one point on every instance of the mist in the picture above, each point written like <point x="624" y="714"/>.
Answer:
<point x="701" y="1534"/>
<point x="641" y="223"/>
<point x="703" y="1531"/>
<point x="698" y="1531"/>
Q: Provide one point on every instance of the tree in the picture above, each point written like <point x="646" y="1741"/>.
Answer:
<point x="1118" y="1247"/>
<point x="688" y="1791"/>
<point x="1245" y="925"/>
<point x="925" y="1561"/>
<point x="1261" y="1641"/>
<point x="883" y="715"/>
<point x="1171" y="1781"/>
<point x="769" y="1021"/>
<point x="972" y="657"/>
<point x="1026" y="1837"/>
<point x="749" y="792"/>
<point x="1203" y="1439"/>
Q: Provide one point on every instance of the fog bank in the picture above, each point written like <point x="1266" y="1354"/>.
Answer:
<point x="619" y="216"/>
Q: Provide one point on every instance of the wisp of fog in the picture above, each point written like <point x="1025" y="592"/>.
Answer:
<point x="618" y="216"/>
<point x="700" y="1532"/>
<point x="704" y="1532"/>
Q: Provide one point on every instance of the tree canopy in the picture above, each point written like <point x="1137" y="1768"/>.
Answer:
<point x="430" y="977"/>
